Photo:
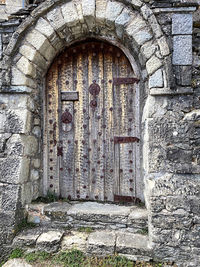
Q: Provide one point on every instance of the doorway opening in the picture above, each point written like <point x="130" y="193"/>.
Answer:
<point x="92" y="126"/>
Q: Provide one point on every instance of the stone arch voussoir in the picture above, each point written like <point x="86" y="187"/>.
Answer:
<point x="55" y="26"/>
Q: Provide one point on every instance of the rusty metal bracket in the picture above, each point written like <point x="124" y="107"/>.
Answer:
<point x="125" y="139"/>
<point x="66" y="117"/>
<point x="69" y="96"/>
<point x="118" y="81"/>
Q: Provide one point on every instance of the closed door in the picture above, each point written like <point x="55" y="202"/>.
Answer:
<point x="92" y="125"/>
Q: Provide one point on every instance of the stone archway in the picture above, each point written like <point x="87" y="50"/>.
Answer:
<point x="51" y="27"/>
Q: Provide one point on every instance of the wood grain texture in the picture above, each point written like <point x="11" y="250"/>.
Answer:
<point x="86" y="162"/>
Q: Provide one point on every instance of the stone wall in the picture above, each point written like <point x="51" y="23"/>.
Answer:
<point x="161" y="45"/>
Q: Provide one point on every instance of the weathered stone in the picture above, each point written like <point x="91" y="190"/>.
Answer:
<point x="17" y="263"/>
<point x="146" y="12"/>
<point x="25" y="240"/>
<point x="182" y="24"/>
<point x="155" y="26"/>
<point x="134" y="244"/>
<point x="34" y="175"/>
<point x="136" y="3"/>
<point x="33" y="55"/>
<point x="148" y="49"/>
<point x="121" y="21"/>
<point x="36" y="163"/>
<point x="56" y="19"/>
<point x="156" y="79"/>
<point x="18" y="78"/>
<point x="45" y="28"/>
<point x="101" y="11"/>
<point x="22" y="145"/>
<point x="113" y="10"/>
<point x="101" y="243"/>
<point x="26" y="67"/>
<point x="183" y="75"/>
<point x="92" y="211"/>
<point x="138" y="31"/>
<point x="70" y="14"/>
<point x="153" y="64"/>
<point x="37" y="131"/>
<point x="75" y="240"/>
<point x="49" y="241"/>
<point x="9" y="197"/>
<point x="164" y="48"/>
<point x="41" y="43"/>
<point x="182" y="50"/>
<point x="14" y="169"/>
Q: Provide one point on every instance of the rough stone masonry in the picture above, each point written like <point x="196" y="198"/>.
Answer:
<point x="163" y="38"/>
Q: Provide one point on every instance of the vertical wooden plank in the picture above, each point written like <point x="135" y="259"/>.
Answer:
<point x="81" y="127"/>
<point x="96" y="123"/>
<point x="108" y="122"/>
<point x="127" y="153"/>
<point x="53" y="131"/>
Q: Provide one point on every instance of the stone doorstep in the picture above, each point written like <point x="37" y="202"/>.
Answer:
<point x="93" y="214"/>
<point x="98" y="243"/>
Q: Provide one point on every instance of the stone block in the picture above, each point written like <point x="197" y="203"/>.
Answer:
<point x="183" y="75"/>
<point x="27" y="239"/>
<point x="136" y="3"/>
<point x="163" y="45"/>
<point x="138" y="31"/>
<point x="3" y="140"/>
<point x="121" y="21"/>
<point x="27" y="194"/>
<point x="14" y="170"/>
<point x="57" y="211"/>
<point x="35" y="189"/>
<point x="182" y="24"/>
<point x="156" y="79"/>
<point x="155" y="26"/>
<point x="101" y="243"/>
<point x="35" y="175"/>
<point x="14" y="101"/>
<point x="56" y="19"/>
<point x="101" y="11"/>
<point x="36" y="163"/>
<point x="146" y="12"/>
<point x="9" y="197"/>
<point x="148" y="49"/>
<point x="70" y="14"/>
<point x="17" y="263"/>
<point x="18" y="78"/>
<point x="153" y="64"/>
<point x="45" y="28"/>
<point x="49" y="241"/>
<point x="182" y="50"/>
<point x="113" y="10"/>
<point x="75" y="240"/>
<point x="26" y="67"/>
<point x="32" y="54"/>
<point x="91" y="211"/>
<point x="1" y="46"/>
<point x="41" y="43"/>
<point x="128" y="243"/>
<point x="15" y="121"/>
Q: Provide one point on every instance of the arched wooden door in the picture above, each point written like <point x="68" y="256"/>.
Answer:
<point x="92" y="124"/>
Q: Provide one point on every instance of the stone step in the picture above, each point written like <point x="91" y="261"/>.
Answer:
<point x="89" y="214"/>
<point x="99" y="242"/>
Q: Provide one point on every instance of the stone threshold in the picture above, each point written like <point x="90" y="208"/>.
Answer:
<point x="99" y="243"/>
<point x="95" y="215"/>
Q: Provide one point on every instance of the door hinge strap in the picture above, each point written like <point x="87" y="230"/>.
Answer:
<point x="118" y="81"/>
<point x="125" y="139"/>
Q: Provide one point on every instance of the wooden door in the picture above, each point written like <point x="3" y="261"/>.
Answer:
<point x="92" y="124"/>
